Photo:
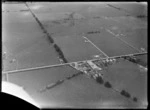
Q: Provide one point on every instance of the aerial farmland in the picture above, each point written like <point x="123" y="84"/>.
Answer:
<point x="77" y="54"/>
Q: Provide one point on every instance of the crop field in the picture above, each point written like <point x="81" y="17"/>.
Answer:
<point x="76" y="49"/>
<point x="104" y="39"/>
<point x="40" y="78"/>
<point x="132" y="8"/>
<point x="23" y="39"/>
<point x="41" y="41"/>
<point x="126" y="75"/>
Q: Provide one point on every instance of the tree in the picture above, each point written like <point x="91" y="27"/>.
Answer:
<point x="134" y="99"/>
<point x="107" y="84"/>
<point x="61" y="54"/>
<point x="125" y="93"/>
<point x="100" y="80"/>
<point x="65" y="60"/>
<point x="141" y="16"/>
<point x="50" y="39"/>
<point x="69" y="77"/>
<point x="56" y="47"/>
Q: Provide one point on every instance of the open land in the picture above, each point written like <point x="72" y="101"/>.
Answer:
<point x="46" y="33"/>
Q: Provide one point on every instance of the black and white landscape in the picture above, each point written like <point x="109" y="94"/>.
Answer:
<point x="76" y="54"/>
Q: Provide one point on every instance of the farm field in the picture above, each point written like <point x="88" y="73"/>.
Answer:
<point x="132" y="8"/>
<point x="13" y="7"/>
<point x="126" y="75"/>
<point x="35" y="80"/>
<point x="116" y="47"/>
<point x="24" y="41"/>
<point x="76" y="49"/>
<point x="79" y="32"/>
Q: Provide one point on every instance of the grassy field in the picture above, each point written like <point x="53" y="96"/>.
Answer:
<point x="126" y="75"/>
<point x="138" y="38"/>
<point x="82" y="92"/>
<point x="23" y="40"/>
<point x="75" y="48"/>
<point x="35" y="80"/>
<point x="13" y="7"/>
<point x="132" y="8"/>
<point x="116" y="47"/>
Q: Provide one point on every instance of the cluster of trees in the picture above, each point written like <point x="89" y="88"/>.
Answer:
<point x="93" y="32"/>
<point x="131" y="59"/>
<point x="50" y="38"/>
<point x="134" y="99"/>
<point x="65" y="60"/>
<point x="74" y="75"/>
<point x="141" y="16"/>
<point x="57" y="48"/>
<point x="127" y="95"/>
<point x="107" y="84"/>
<point x="100" y="80"/>
<point x="42" y="27"/>
<point x="114" y="7"/>
<point x="52" y="85"/>
<point x="60" y="53"/>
